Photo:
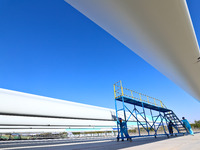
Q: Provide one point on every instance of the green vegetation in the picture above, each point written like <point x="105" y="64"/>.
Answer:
<point x="10" y="137"/>
<point x="5" y="137"/>
<point x="196" y="124"/>
<point x="51" y="135"/>
<point x="93" y="132"/>
<point x="16" y="136"/>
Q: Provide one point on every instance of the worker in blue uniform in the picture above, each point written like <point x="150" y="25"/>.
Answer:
<point x="123" y="130"/>
<point x="170" y="127"/>
<point x="187" y="125"/>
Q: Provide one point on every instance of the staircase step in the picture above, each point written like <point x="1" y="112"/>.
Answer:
<point x="170" y="114"/>
<point x="181" y="129"/>
<point x="181" y="125"/>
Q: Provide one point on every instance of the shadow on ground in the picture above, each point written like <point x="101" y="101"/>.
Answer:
<point x="85" y="144"/>
<point x="114" y="145"/>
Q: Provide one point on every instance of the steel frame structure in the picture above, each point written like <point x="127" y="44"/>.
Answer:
<point x="130" y="105"/>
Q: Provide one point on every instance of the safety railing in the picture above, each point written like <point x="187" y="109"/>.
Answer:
<point x="119" y="91"/>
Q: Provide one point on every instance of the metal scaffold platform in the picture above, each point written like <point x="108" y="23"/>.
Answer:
<point x="149" y="113"/>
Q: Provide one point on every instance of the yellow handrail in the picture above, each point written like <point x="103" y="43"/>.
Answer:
<point x="121" y="88"/>
<point x="119" y="91"/>
<point x="114" y="90"/>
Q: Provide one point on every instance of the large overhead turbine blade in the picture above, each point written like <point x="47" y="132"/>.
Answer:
<point x="159" y="31"/>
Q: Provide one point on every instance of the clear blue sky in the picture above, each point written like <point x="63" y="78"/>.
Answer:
<point x="48" y="48"/>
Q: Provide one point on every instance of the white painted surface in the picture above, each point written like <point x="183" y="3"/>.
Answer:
<point x="40" y="121"/>
<point x="22" y="112"/>
<point x="13" y="102"/>
<point x="159" y="31"/>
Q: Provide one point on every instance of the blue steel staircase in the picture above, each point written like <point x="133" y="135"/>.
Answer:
<point x="178" y="125"/>
<point x="134" y="105"/>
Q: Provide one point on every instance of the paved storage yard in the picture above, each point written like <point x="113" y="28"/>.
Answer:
<point x="160" y="143"/>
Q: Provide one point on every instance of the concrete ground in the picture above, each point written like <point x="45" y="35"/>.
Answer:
<point x="147" y="143"/>
<point x="188" y="142"/>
